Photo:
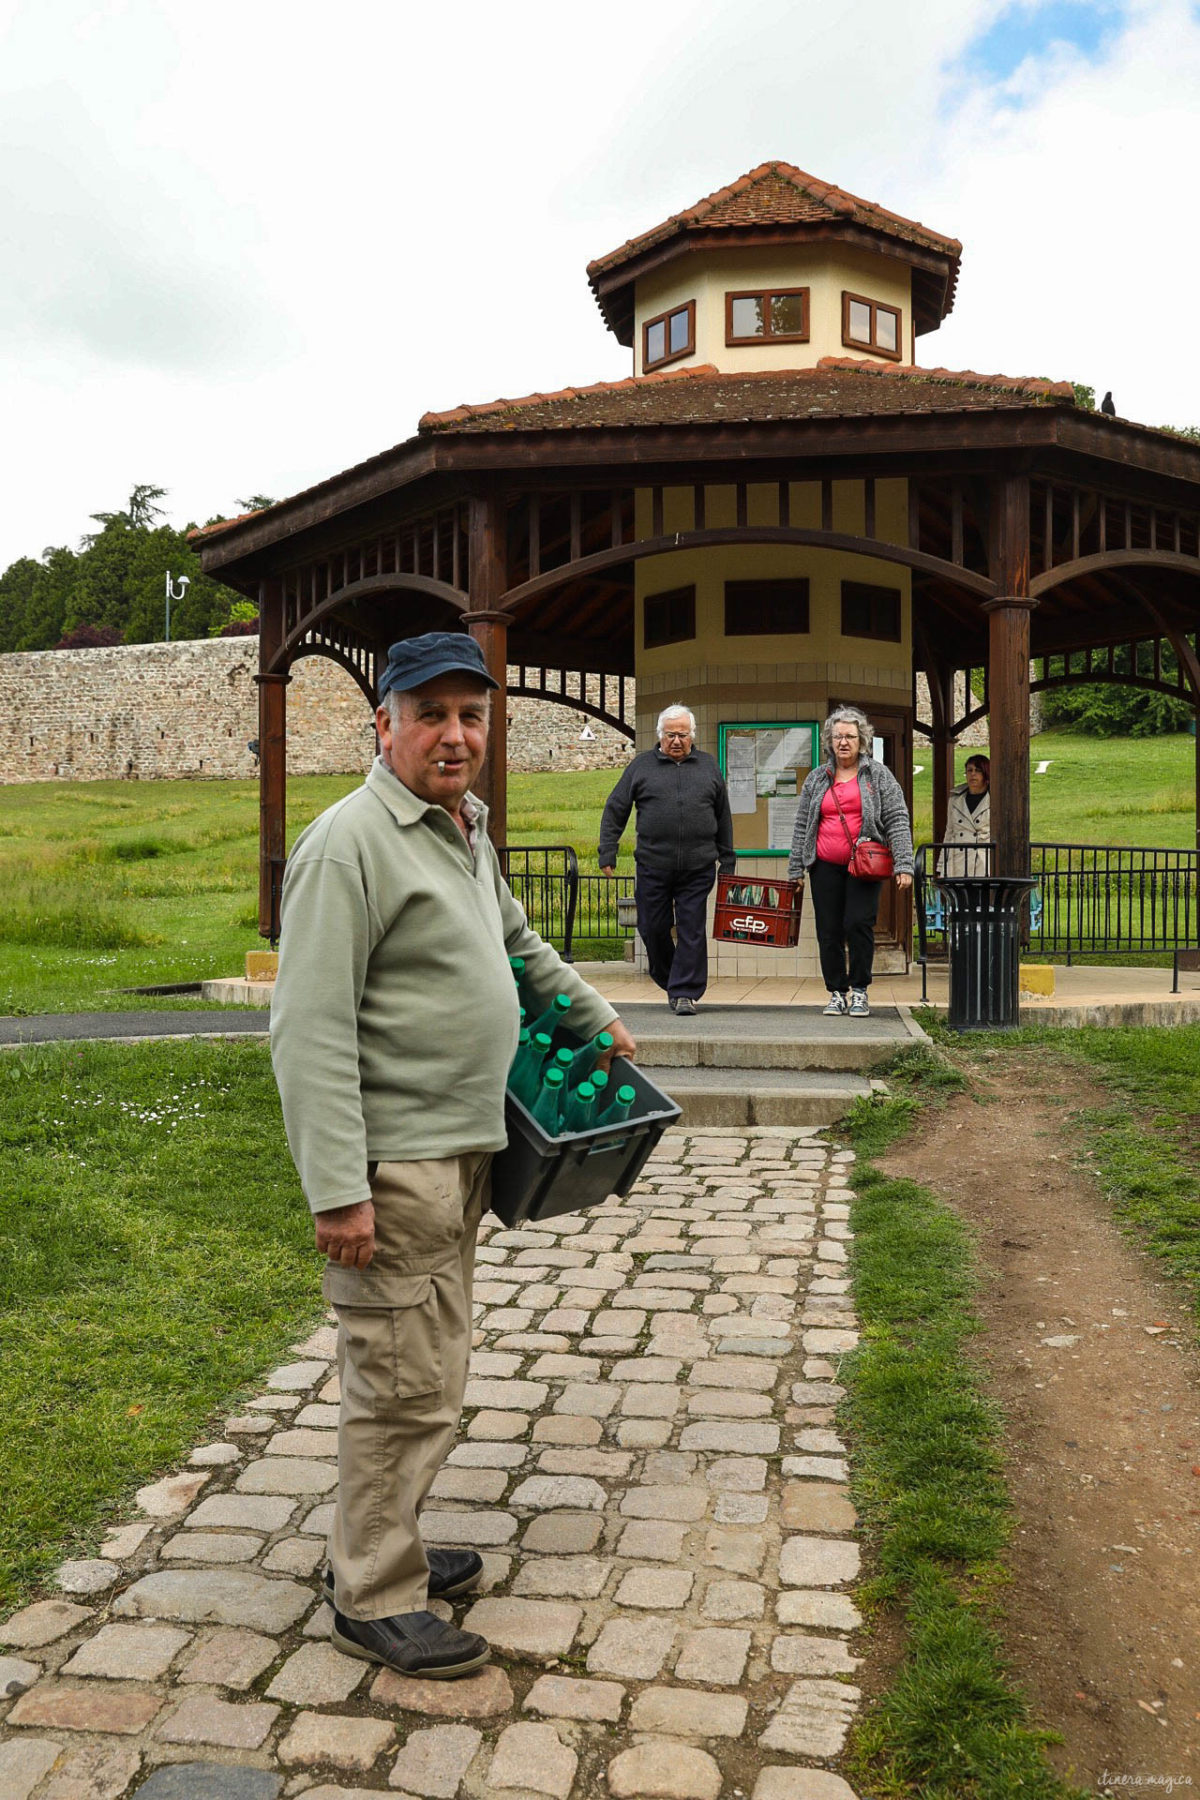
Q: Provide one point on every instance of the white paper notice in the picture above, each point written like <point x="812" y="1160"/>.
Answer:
<point x="742" y="797"/>
<point x="781" y="821"/>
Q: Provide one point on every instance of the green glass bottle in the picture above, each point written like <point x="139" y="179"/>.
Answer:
<point x="621" y="1107"/>
<point x="547" y="1108"/>
<point x="599" y="1079"/>
<point x="586" y="1059"/>
<point x="517" y="965"/>
<point x="525" y="1076"/>
<point x="579" y="1112"/>
<point x="554" y="1015"/>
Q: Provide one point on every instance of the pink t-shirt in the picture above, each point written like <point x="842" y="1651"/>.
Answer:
<point x="833" y="846"/>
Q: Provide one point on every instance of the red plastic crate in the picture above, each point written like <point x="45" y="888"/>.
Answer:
<point x="747" y="918"/>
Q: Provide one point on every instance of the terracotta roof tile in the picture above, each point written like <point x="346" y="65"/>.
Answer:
<point x="199" y="531"/>
<point x="777" y="193"/>
<point x="839" y="387"/>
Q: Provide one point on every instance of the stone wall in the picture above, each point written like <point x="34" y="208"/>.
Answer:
<point x="146" y="712"/>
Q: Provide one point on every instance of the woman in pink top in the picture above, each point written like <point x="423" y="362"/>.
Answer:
<point x="871" y="803"/>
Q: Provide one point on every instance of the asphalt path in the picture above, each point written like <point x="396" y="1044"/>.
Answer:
<point x="56" y="1028"/>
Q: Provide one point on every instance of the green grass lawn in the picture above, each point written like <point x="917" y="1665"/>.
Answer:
<point x="112" y="884"/>
<point x="155" y="1256"/>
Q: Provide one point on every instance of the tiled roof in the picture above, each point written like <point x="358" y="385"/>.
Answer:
<point x="774" y="194"/>
<point x="839" y="387"/>
<point x="199" y="531"/>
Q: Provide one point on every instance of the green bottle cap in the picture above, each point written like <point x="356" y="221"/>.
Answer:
<point x="562" y="1002"/>
<point x="522" y="1038"/>
<point x="564" y="1058"/>
<point x="517" y="964"/>
<point x="543" y="1041"/>
<point x="599" y="1079"/>
<point x="586" y="1092"/>
<point x="626" y="1095"/>
<point x="603" y="1040"/>
<point x="553" y="1078"/>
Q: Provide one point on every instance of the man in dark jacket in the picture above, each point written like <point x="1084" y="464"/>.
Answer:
<point x="684" y="831"/>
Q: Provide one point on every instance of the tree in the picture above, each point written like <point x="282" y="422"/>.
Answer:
<point x="50" y="598"/>
<point x="241" y="621"/>
<point x="90" y="637"/>
<point x="1112" y="709"/>
<point x="257" y="503"/>
<point x="16" y="592"/>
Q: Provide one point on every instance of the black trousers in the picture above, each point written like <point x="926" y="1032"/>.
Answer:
<point x="665" y="898"/>
<point x="844" y="909"/>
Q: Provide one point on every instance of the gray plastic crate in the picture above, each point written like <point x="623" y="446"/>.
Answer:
<point x="538" y="1177"/>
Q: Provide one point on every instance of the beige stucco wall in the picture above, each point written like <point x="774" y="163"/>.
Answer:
<point x="725" y="680"/>
<point x="826" y="270"/>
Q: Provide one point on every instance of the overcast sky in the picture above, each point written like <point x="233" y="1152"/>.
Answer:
<point x="246" y="245"/>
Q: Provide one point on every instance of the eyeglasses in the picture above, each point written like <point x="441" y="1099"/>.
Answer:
<point x="680" y="737"/>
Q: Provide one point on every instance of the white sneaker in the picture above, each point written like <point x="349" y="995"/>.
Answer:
<point x="837" y="1006"/>
<point x="858" y="1004"/>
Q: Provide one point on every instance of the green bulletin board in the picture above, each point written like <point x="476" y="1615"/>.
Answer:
<point x="765" y="765"/>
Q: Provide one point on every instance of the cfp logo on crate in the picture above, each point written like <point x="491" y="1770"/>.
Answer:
<point x="748" y="923"/>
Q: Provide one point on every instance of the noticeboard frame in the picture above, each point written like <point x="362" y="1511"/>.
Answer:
<point x="760" y="829"/>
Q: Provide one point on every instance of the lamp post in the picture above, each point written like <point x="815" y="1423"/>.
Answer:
<point x="184" y="583"/>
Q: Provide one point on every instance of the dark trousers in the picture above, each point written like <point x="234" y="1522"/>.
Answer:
<point x="844" y="909"/>
<point x="665" y="898"/>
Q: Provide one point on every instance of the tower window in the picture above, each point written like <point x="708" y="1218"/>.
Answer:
<point x="766" y="608"/>
<point x="869" y="325"/>
<point x="669" y="617"/>
<point x="774" y="316"/>
<point x="669" y="336"/>
<point x="870" y="612"/>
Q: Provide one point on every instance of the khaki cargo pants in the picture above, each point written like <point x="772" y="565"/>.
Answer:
<point x="404" y="1341"/>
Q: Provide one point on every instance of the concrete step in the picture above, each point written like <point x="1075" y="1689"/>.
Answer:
<point x="784" y="1097"/>
<point x="791" y="1038"/>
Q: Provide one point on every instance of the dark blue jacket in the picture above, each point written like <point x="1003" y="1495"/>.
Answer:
<point x="683" y="819"/>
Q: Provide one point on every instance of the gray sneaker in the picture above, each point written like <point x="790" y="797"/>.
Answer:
<point x="684" y="1008"/>
<point x="837" y="1006"/>
<point x="858" y="1004"/>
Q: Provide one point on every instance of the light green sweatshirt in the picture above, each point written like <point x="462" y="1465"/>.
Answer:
<point x="395" y="1013"/>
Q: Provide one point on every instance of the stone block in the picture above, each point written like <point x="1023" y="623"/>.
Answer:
<point x="547" y="1493"/>
<point x="245" y="1512"/>
<point x="203" y="1719"/>
<point x="95" y="1771"/>
<point x="541" y="1629"/>
<point x="43" y="1623"/>
<point x="348" y="1743"/>
<point x="573" y="1577"/>
<point x="833" y="1612"/>
<point x="741" y="1552"/>
<point x="498" y="1427"/>
<point x="660" y="1769"/>
<point x="216" y="1597"/>
<point x="632" y="1649"/>
<point x="801" y="1784"/>
<point x="523" y="1396"/>
<point x="733" y="1600"/>
<point x="63" y="1706"/>
<point x="227" y="1657"/>
<point x="128" y="1652"/>
<point x="812" y="1720"/>
<point x="316" y="1675"/>
<point x="210" y="1781"/>
<point x="434" y="1761"/>
<point x="816" y="1506"/>
<point x="652" y="1540"/>
<point x="716" y="1656"/>
<point x="675" y="1712"/>
<point x="23" y="1762"/>
<point x="294" y="1556"/>
<point x="91" y="1575"/>
<point x="286" y="1475"/>
<point x="563" y="1534"/>
<point x="17" y="1675"/>
<point x="682" y="1503"/>
<point x="210" y="1547"/>
<point x="567" y="1428"/>
<point x="795" y="1653"/>
<point x="812" y="1562"/>
<point x="295" y="1378"/>
<point x="568" y="1697"/>
<point x="481" y="1696"/>
<point x="172" y="1495"/>
<point x="654" y="1588"/>
<point x="532" y="1760"/>
<point x="613" y="1465"/>
<point x="756" y="1437"/>
<point x="467" y="1530"/>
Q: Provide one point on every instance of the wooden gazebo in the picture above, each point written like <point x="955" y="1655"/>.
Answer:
<point x="1041" y="544"/>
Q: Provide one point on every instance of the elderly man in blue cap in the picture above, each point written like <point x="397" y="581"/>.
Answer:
<point x="392" y="1028"/>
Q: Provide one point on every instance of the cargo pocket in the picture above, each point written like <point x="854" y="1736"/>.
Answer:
<point x="393" y="1351"/>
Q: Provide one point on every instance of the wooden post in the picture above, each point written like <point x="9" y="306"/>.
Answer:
<point x="1008" y="673"/>
<point x="487" y="582"/>
<point x="272" y="757"/>
<point x="941" y="706"/>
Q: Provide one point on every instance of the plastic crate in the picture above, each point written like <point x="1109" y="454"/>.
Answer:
<point x="742" y="920"/>
<point x="538" y="1177"/>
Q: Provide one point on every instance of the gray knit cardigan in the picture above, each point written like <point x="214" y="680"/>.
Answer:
<point x="884" y="815"/>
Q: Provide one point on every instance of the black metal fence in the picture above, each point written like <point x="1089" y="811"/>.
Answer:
<point x="1089" y="899"/>
<point x="566" y="908"/>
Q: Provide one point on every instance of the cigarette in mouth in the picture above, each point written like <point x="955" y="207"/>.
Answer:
<point x="441" y="768"/>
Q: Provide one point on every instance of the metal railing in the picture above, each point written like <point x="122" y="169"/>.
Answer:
<point x="545" y="880"/>
<point x="1089" y="900"/>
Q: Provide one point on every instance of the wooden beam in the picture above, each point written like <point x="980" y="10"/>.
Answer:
<point x="272" y="757"/>
<point x="488" y="579"/>
<point x="1008" y="672"/>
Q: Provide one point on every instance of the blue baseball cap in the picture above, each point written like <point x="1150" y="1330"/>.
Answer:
<point x="416" y="660"/>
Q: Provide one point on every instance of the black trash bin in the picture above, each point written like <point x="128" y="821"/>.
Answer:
<point x="983" y="938"/>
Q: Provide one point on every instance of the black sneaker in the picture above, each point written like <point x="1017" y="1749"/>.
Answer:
<point x="417" y="1643"/>
<point x="685" y="1007"/>
<point x="451" y="1572"/>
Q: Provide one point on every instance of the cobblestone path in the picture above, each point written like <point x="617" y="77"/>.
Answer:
<point x="648" y="1465"/>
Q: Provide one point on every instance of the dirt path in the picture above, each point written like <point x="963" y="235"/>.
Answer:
<point x="1092" y="1355"/>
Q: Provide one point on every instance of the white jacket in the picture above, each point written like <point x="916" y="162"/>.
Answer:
<point x="966" y="827"/>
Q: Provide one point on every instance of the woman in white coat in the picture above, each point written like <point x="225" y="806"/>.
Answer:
<point x="969" y="821"/>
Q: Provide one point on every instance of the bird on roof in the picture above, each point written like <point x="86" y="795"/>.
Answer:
<point x="1106" y="406"/>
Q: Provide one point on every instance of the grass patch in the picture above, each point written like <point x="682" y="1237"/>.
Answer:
<point x="928" y="1483"/>
<point x="155" y="1256"/>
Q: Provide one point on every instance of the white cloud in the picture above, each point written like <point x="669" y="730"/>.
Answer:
<point x="249" y="244"/>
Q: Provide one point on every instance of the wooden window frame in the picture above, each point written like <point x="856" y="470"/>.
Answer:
<point x="663" y="318"/>
<point x="875" y="636"/>
<point x="766" y="295"/>
<point x="875" y="347"/>
<point x="686" y="597"/>
<point x="739" y="628"/>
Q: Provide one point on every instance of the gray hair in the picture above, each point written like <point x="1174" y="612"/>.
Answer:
<point x="671" y="712"/>
<point x="851" y="716"/>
